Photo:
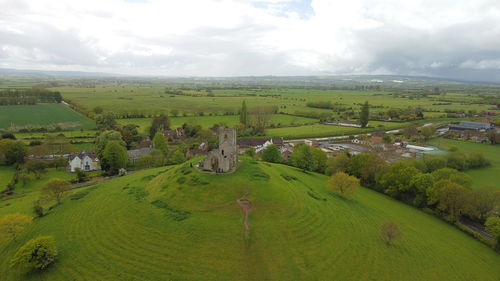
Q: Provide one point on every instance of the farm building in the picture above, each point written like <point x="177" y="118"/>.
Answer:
<point x="85" y="161"/>
<point x="470" y="126"/>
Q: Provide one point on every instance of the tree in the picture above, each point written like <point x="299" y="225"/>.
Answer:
<point x="60" y="162"/>
<point x="320" y="158"/>
<point x="15" y="153"/>
<point x="452" y="175"/>
<point x="434" y="163"/>
<point x="450" y="197"/>
<point x="457" y="160"/>
<point x="397" y="181"/>
<point x="178" y="157"/>
<point x="55" y="189"/>
<point x="482" y="203"/>
<point x="98" y="110"/>
<point x="338" y="163"/>
<point x="130" y="135"/>
<point x="302" y="157"/>
<point x="364" y="115"/>
<point x="244" y="114"/>
<point x="272" y="154"/>
<point x="114" y="157"/>
<point x="160" y="143"/>
<point x="419" y="185"/>
<point x="261" y="116"/>
<point x="13" y="224"/>
<point x="477" y="160"/>
<point x="390" y="232"/>
<point x="36" y="254"/>
<point x="4" y="146"/>
<point x="36" y="167"/>
<point x="250" y="151"/>
<point x="159" y="123"/>
<point x="106" y="122"/>
<point x="493" y="227"/>
<point x="373" y="165"/>
<point x="105" y="137"/>
<point x="494" y="137"/>
<point x="427" y="132"/>
<point x="80" y="175"/>
<point x="344" y="184"/>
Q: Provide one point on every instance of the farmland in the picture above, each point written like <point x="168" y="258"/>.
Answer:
<point x="298" y="231"/>
<point x="482" y="177"/>
<point x="151" y="100"/>
<point x="228" y="120"/>
<point x="42" y="115"/>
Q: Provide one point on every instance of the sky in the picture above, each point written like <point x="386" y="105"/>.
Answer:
<point x="457" y="39"/>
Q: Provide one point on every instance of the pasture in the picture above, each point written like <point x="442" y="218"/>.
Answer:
<point x="488" y="176"/>
<point x="209" y="121"/>
<point x="152" y="100"/>
<point x="175" y="223"/>
<point x="16" y="117"/>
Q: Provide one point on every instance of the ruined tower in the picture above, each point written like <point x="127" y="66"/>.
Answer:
<point x="225" y="157"/>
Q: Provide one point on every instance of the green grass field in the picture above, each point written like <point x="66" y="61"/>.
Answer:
<point x="151" y="100"/>
<point x="19" y="116"/>
<point x="298" y="231"/>
<point x="209" y="121"/>
<point x="482" y="177"/>
<point x="321" y="130"/>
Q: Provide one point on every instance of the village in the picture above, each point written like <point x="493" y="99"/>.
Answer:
<point x="391" y="145"/>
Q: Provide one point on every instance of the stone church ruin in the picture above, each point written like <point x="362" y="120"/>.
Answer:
<point x="225" y="157"/>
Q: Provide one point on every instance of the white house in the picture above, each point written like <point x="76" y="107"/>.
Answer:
<point x="85" y="161"/>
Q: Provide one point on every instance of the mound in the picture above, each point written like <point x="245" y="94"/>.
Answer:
<point x="176" y="223"/>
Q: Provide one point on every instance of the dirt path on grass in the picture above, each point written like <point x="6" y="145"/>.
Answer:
<point x="245" y="205"/>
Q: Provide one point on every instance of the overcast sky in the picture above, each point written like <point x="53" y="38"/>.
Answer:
<point x="447" y="38"/>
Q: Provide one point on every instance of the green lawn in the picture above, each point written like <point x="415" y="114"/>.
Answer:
<point x="115" y="233"/>
<point x="482" y="177"/>
<point x="46" y="115"/>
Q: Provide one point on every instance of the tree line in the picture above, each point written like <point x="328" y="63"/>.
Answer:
<point x="29" y="96"/>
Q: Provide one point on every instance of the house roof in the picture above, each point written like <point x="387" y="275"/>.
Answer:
<point x="82" y="154"/>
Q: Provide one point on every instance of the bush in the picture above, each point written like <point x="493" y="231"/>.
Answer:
<point x="38" y="209"/>
<point x="37" y="253"/>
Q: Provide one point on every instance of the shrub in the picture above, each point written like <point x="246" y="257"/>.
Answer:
<point x="37" y="253"/>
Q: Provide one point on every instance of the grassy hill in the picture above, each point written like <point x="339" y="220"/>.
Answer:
<point x="175" y="223"/>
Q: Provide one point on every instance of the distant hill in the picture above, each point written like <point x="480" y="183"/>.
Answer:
<point x="176" y="223"/>
<point x="385" y="80"/>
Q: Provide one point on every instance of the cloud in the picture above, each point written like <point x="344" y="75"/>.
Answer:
<point x="452" y="39"/>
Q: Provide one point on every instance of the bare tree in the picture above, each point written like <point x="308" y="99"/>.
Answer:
<point x="390" y="232"/>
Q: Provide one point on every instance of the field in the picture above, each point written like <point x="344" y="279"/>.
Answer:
<point x="151" y="100"/>
<point x="174" y="223"/>
<point x="42" y="115"/>
<point x="482" y="177"/>
<point x="320" y="130"/>
<point x="209" y="121"/>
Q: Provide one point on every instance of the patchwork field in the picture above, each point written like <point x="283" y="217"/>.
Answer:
<point x="482" y="177"/>
<point x="46" y="115"/>
<point x="127" y="98"/>
<point x="174" y="223"/>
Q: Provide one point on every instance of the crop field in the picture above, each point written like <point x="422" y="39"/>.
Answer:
<point x="42" y="115"/>
<point x="175" y="223"/>
<point x="488" y="176"/>
<point x="151" y="100"/>
<point x="229" y="120"/>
